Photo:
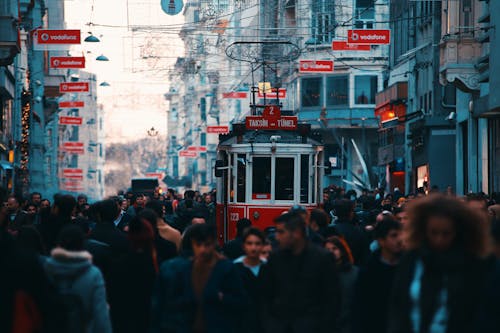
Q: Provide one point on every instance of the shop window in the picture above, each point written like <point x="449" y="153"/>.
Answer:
<point x="311" y="92"/>
<point x="261" y="178"/>
<point x="337" y="91"/>
<point x="365" y="88"/>
<point x="283" y="182"/>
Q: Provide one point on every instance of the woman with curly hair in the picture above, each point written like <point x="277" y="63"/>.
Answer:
<point x="348" y="274"/>
<point x="439" y="284"/>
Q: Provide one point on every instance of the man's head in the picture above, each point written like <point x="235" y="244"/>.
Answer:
<point x="253" y="241"/>
<point x="82" y="199"/>
<point x="344" y="210"/>
<point x="242" y="225"/>
<point x="290" y="230"/>
<point x="12" y="204"/>
<point x="36" y="198"/>
<point x="31" y="209"/>
<point x="71" y="238"/>
<point x="477" y="201"/>
<point x="302" y="211"/>
<point x="198" y="219"/>
<point x="108" y="210"/>
<point x="319" y="219"/>
<point x="388" y="235"/>
<point x="140" y="200"/>
<point x="202" y="241"/>
<point x="208" y="198"/>
<point x="64" y="205"/>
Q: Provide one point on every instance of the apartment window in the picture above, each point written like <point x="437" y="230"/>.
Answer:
<point x="323" y="21"/>
<point x="203" y="109"/>
<point x="73" y="163"/>
<point x="311" y="92"/>
<point x="203" y="139"/>
<point x="100" y="150"/>
<point x="74" y="134"/>
<point x="364" y="14"/>
<point x="365" y="88"/>
<point x="466" y="17"/>
<point x="337" y="91"/>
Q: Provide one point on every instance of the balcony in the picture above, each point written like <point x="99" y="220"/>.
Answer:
<point x="458" y="56"/>
<point x="9" y="42"/>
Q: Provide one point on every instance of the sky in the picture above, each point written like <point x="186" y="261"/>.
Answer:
<point x="142" y="44"/>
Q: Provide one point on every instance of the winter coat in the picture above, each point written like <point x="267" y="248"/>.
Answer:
<point x="74" y="269"/>
<point x="300" y="293"/>
<point x="174" y="293"/>
<point x="347" y="280"/>
<point x="372" y="296"/>
<point x="465" y="278"/>
<point x="108" y="233"/>
<point x="234" y="248"/>
<point x="356" y="239"/>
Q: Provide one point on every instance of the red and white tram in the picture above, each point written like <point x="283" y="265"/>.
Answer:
<point x="264" y="167"/>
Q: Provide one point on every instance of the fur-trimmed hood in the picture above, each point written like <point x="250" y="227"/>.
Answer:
<point x="67" y="264"/>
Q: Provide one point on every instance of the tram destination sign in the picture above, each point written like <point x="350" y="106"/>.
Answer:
<point x="271" y="119"/>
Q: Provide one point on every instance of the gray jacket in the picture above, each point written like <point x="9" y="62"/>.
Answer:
<point x="86" y="281"/>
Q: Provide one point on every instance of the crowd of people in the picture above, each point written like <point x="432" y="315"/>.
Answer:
<point x="377" y="262"/>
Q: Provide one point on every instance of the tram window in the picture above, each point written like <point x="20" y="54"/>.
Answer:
<point x="283" y="184"/>
<point x="304" y="178"/>
<point x="230" y="176"/>
<point x="261" y="178"/>
<point x="242" y="178"/>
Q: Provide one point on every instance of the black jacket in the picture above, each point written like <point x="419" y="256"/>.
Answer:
<point x="107" y="233"/>
<point x="234" y="248"/>
<point x="251" y="283"/>
<point x="356" y="239"/>
<point x="465" y="276"/>
<point x="300" y="293"/>
<point x="372" y="296"/>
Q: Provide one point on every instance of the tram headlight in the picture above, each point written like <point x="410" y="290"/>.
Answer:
<point x="274" y="139"/>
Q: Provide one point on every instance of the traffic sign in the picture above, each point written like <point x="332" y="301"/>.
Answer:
<point x="217" y="129"/>
<point x="369" y="36"/>
<point x="71" y="104"/>
<point x="67" y="62"/>
<point x="66" y="120"/>
<point x="71" y="87"/>
<point x="342" y="45"/>
<point x="316" y="66"/>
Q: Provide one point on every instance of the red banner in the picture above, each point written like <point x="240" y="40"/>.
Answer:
<point x="218" y="129"/>
<point x="288" y="123"/>
<point x="66" y="120"/>
<point x="44" y="36"/>
<point x="67" y="62"/>
<point x="369" y="36"/>
<point x="342" y="45"/>
<point x="235" y="95"/>
<point x="275" y="93"/>
<point x="70" y="87"/>
<point x="73" y="148"/>
<point x="76" y="174"/>
<point x="71" y="104"/>
<point x="159" y="175"/>
<point x="188" y="153"/>
<point x="197" y="148"/>
<point x="316" y="66"/>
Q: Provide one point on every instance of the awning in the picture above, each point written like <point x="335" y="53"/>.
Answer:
<point x="6" y="165"/>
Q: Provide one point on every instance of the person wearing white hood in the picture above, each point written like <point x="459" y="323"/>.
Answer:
<point x="80" y="285"/>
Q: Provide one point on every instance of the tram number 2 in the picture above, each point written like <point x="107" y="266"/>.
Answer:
<point x="234" y="217"/>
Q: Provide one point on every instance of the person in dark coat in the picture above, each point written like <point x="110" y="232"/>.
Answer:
<point x="52" y="220"/>
<point x="165" y="248"/>
<point x="105" y="230"/>
<point x="374" y="284"/>
<point x="233" y="249"/>
<point x="210" y="297"/>
<point x="16" y="217"/>
<point x="300" y="289"/>
<point x="348" y="274"/>
<point x="355" y="238"/>
<point x="440" y="284"/>
<point x="133" y="276"/>
<point x="249" y="267"/>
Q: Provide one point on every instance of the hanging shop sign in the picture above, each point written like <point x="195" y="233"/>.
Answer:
<point x="316" y="66"/>
<point x="67" y="120"/>
<point x="369" y="36"/>
<point x="343" y="45"/>
<point x="273" y="93"/>
<point x="71" y="104"/>
<point x="217" y="129"/>
<point x="45" y="36"/>
<point x="73" y="148"/>
<point x="235" y="95"/>
<point x="71" y="173"/>
<point x="199" y="149"/>
<point x="67" y="62"/>
<point x="73" y="87"/>
<point x="188" y="153"/>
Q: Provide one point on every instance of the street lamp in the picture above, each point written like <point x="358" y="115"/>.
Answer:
<point x="152" y="131"/>
<point x="104" y="84"/>
<point x="91" y="38"/>
<point x="102" y="57"/>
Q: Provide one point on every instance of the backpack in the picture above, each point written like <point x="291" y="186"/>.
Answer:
<point x="71" y="315"/>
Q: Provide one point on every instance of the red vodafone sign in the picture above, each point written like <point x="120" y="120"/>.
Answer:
<point x="44" y="36"/>
<point x="67" y="62"/>
<point x="66" y="120"/>
<point x="316" y="66"/>
<point x="274" y="93"/>
<point x="201" y="149"/>
<point x="73" y="148"/>
<point x="71" y="87"/>
<point x="343" y="45"/>
<point x="188" y="153"/>
<point x="235" y="95"/>
<point x="70" y="173"/>
<point x="369" y="36"/>
<point x="271" y="119"/>
<point x="217" y="129"/>
<point x="71" y="104"/>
